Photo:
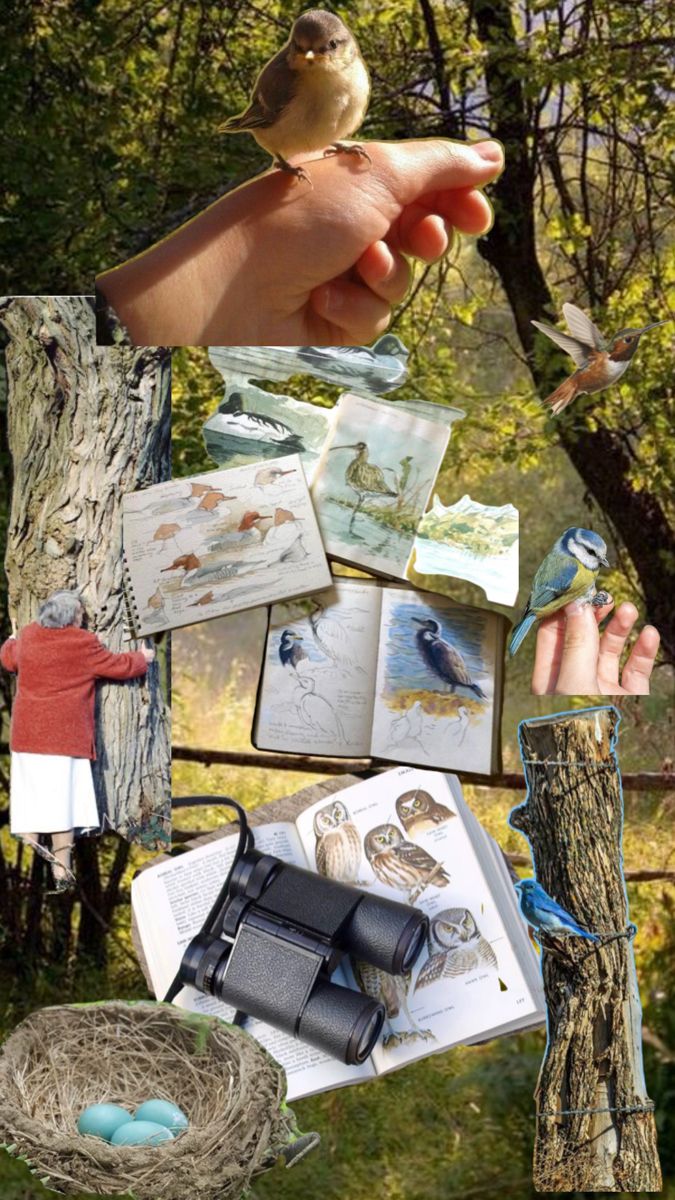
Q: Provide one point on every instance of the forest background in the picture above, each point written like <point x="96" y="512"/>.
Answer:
<point x="107" y="143"/>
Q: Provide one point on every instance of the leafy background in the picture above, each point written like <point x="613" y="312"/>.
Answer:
<point x="114" y="108"/>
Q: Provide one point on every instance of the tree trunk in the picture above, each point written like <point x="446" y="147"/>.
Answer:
<point x="572" y="817"/>
<point x="599" y="455"/>
<point x="87" y="424"/>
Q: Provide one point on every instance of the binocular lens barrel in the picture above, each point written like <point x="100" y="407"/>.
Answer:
<point x="344" y="1023"/>
<point x="387" y="934"/>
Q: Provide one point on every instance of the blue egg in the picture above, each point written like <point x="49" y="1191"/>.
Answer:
<point x="141" y="1133"/>
<point x="164" y="1113"/>
<point x="101" y="1120"/>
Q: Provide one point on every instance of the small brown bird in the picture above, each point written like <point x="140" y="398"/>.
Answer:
<point x="310" y="96"/>
<point x="401" y="864"/>
<point x="599" y="362"/>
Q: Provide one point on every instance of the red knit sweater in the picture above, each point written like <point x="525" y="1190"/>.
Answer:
<point x="53" y="710"/>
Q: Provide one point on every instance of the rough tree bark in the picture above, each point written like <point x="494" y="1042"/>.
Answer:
<point x="599" y="455"/>
<point x="572" y="817"/>
<point x="87" y="424"/>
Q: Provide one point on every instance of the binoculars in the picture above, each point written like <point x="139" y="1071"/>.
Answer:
<point x="282" y="933"/>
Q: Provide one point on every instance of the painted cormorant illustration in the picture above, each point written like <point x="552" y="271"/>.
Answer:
<point x="290" y="650"/>
<point x="364" y="478"/>
<point x="443" y="659"/>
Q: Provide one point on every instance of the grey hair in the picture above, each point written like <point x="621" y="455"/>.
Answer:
<point x="59" y="610"/>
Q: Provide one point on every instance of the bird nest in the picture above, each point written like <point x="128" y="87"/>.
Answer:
<point x="60" y="1060"/>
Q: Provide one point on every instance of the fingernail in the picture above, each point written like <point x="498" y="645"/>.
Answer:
<point x="491" y="152"/>
<point x="331" y="299"/>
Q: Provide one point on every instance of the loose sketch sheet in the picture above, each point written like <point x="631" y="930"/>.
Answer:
<point x="221" y="542"/>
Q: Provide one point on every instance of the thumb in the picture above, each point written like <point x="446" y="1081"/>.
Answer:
<point x="419" y="167"/>
<point x="578" y="675"/>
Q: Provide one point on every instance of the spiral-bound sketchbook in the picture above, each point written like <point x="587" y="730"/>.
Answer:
<point x="219" y="543"/>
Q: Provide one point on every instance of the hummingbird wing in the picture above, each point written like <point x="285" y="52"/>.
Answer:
<point x="582" y="328"/>
<point x="578" y="351"/>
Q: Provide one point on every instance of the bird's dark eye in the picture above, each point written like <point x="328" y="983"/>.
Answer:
<point x="629" y="339"/>
<point x="333" y="45"/>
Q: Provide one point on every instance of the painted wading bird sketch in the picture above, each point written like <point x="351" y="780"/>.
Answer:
<point x="374" y="479"/>
<point x="472" y="541"/>
<point x="235" y="535"/>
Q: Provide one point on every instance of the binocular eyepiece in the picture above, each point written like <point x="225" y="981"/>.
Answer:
<point x="282" y="932"/>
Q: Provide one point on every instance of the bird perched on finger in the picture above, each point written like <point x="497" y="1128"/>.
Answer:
<point x="600" y="361"/>
<point x="310" y="96"/>
<point x="567" y="573"/>
<point x="542" y="912"/>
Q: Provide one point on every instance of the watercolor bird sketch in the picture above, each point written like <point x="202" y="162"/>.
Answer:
<point x="471" y="541"/>
<point x="220" y="542"/>
<point x="365" y="670"/>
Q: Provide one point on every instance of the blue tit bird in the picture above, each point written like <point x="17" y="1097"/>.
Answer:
<point x="567" y="573"/>
<point x="544" y="913"/>
<point x="310" y="96"/>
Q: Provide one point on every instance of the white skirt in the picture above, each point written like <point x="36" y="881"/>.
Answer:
<point x="51" y="793"/>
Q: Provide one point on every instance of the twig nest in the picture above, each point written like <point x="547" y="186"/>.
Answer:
<point x="61" y="1060"/>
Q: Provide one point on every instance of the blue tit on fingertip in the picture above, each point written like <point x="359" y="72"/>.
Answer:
<point x="310" y="96"/>
<point x="568" y="573"/>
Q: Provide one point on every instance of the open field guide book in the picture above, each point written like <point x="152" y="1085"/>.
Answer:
<point x="218" y="543"/>
<point x="479" y="975"/>
<point x="367" y="670"/>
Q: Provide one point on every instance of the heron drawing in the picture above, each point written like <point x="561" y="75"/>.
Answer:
<point x="442" y="658"/>
<point x="332" y="639"/>
<point x="364" y="478"/>
<point x="316" y="712"/>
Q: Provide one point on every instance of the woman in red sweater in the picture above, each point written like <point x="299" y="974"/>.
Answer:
<point x="52" y="738"/>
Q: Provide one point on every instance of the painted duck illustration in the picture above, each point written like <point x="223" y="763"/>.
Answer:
<point x="442" y="658"/>
<point x="363" y="477"/>
<point x="232" y="420"/>
<point x="600" y="362"/>
<point x="248" y="531"/>
<point x="283" y="541"/>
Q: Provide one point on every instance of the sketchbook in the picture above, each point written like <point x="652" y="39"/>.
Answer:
<point x="384" y="671"/>
<point x="219" y="543"/>
<point x="479" y="976"/>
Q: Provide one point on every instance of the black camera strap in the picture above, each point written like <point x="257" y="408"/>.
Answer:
<point x="213" y="923"/>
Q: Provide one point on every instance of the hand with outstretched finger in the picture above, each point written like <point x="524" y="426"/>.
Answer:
<point x="276" y="262"/>
<point x="573" y="658"/>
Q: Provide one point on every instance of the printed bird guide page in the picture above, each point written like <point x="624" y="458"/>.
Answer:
<point x="405" y="834"/>
<point x="219" y="543"/>
<point x="366" y="669"/>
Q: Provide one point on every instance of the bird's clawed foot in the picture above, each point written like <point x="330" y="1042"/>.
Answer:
<point x="289" y="169"/>
<point x="600" y="598"/>
<point x="347" y="148"/>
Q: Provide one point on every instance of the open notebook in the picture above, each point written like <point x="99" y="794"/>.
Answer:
<point x="218" y="543"/>
<point x="384" y="671"/>
<point x="479" y="976"/>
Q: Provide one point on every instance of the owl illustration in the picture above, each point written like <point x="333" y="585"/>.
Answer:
<point x="392" y="991"/>
<point x="338" y="845"/>
<point x="456" y="947"/>
<point x="418" y="811"/>
<point x="401" y="864"/>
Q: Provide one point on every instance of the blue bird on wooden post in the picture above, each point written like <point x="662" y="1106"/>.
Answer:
<point x="543" y="913"/>
<point x="443" y="659"/>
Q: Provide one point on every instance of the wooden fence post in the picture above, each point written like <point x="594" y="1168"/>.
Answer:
<point x="595" y="1123"/>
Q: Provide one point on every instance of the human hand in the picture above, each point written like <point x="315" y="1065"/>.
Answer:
<point x="148" y="653"/>
<point x="277" y="262"/>
<point x="572" y="658"/>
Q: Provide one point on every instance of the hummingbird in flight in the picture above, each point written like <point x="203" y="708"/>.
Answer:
<point x="600" y="361"/>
